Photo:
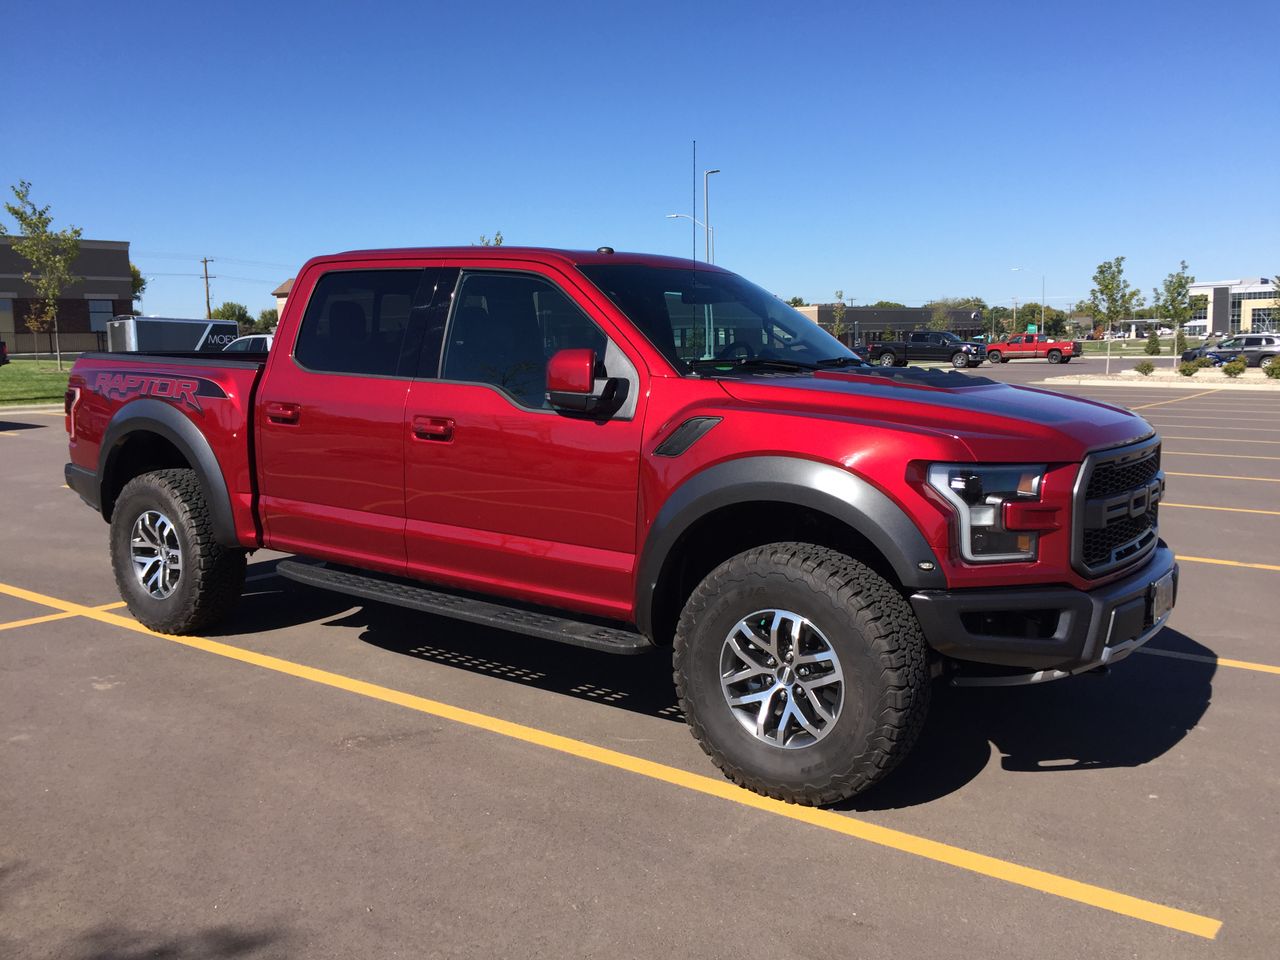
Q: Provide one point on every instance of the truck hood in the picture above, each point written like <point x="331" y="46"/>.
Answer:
<point x="995" y="421"/>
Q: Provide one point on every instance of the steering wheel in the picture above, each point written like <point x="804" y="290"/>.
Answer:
<point x="727" y="352"/>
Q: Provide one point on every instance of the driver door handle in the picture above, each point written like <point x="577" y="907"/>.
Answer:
<point x="439" y="429"/>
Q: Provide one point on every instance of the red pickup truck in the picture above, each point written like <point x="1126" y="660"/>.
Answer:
<point x="632" y="453"/>
<point x="1034" y="346"/>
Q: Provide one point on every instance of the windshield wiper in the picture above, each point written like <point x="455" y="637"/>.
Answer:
<point x="750" y="363"/>
<point x="849" y="361"/>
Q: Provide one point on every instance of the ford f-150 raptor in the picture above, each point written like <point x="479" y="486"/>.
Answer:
<point x="629" y="452"/>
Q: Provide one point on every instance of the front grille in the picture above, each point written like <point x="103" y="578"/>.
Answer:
<point x="1116" y="520"/>
<point x="1111" y="478"/>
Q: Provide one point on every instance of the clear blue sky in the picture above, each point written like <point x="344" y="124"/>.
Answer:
<point x="893" y="150"/>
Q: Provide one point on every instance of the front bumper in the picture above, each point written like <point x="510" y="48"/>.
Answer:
<point x="1033" y="634"/>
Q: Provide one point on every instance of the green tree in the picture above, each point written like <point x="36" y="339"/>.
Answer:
<point x="797" y="302"/>
<point x="50" y="254"/>
<point x="1153" y="343"/>
<point x="1172" y="302"/>
<point x="837" y="317"/>
<point x="137" y="282"/>
<point x="939" y="316"/>
<point x="494" y="241"/>
<point x="888" y="305"/>
<point x="267" y="320"/>
<point x="1112" y="299"/>
<point x="236" y="312"/>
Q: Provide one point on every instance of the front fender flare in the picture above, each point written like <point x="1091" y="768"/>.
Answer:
<point x="156" y="416"/>
<point x="829" y="489"/>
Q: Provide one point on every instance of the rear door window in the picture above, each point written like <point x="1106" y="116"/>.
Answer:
<point x="359" y="322"/>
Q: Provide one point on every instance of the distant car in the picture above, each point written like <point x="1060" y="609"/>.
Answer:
<point x="254" y="343"/>
<point x="1195" y="353"/>
<point x="1255" y="349"/>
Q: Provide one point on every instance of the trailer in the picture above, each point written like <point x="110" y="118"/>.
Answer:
<point x="149" y="334"/>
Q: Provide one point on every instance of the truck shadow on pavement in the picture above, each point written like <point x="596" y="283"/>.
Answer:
<point x="8" y="425"/>
<point x="1131" y="716"/>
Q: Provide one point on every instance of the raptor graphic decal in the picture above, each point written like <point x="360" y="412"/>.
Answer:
<point x="185" y="391"/>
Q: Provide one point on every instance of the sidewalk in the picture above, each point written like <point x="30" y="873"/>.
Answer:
<point x="1210" y="378"/>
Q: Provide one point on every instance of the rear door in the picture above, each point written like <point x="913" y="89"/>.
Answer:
<point x="503" y="494"/>
<point x="330" y="414"/>
<point x="918" y="346"/>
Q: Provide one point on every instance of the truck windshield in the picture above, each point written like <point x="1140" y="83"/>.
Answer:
<point x="703" y="314"/>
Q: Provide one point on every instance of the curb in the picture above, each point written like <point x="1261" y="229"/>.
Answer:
<point x="1146" y="383"/>
<point x="6" y="408"/>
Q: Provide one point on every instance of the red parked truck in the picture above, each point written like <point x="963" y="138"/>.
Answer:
<point x="632" y="452"/>
<point x="1034" y="346"/>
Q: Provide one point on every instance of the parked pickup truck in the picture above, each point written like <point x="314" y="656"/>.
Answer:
<point x="635" y="453"/>
<point x="928" y="345"/>
<point x="1034" y="346"/>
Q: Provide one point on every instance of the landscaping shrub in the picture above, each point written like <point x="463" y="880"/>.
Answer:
<point x="1153" y="344"/>
<point x="1202" y="362"/>
<point x="1234" y="368"/>
<point x="1272" y="370"/>
<point x="1145" y="367"/>
<point x="1189" y="369"/>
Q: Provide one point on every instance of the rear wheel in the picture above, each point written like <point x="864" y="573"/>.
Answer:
<point x="172" y="573"/>
<point x="959" y="360"/>
<point x="1055" y="356"/>
<point x="887" y="359"/>
<point x="994" y="356"/>
<point x="802" y="672"/>
<point x="1067" y="359"/>
<point x="1266" y="362"/>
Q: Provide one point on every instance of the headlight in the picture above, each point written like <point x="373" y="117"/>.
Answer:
<point x="978" y="495"/>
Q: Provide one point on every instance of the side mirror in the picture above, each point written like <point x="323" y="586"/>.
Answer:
<point x="571" y="380"/>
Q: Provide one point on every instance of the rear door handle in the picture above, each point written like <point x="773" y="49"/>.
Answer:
<point x="433" y="428"/>
<point x="283" y="412"/>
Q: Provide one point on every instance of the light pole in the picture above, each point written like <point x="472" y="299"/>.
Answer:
<point x="706" y="210"/>
<point x="684" y="216"/>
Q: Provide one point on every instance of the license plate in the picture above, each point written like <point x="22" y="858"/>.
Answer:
<point x="1161" y="597"/>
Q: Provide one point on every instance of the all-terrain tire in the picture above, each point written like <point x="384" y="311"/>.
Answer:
<point x="211" y="579"/>
<point x="870" y="627"/>
<point x="1055" y="356"/>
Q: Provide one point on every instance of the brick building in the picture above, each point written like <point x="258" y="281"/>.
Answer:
<point x="105" y="290"/>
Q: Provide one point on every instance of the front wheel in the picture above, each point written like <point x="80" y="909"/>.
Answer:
<point x="887" y="359"/>
<point x="172" y="573"/>
<point x="994" y="356"/>
<point x="959" y="360"/>
<point x="802" y="672"/>
<point x="1055" y="356"/>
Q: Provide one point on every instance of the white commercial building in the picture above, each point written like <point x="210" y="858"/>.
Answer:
<point x="1236" y="306"/>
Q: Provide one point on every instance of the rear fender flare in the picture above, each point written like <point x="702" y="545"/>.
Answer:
<point x="163" y="420"/>
<point x="828" y="489"/>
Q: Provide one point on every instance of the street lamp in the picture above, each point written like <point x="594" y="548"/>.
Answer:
<point x="684" y="216"/>
<point x="706" y="211"/>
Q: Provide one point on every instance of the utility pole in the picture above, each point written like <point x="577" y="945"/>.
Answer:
<point x="1015" y="314"/>
<point x="208" y="304"/>
<point x="1042" y="303"/>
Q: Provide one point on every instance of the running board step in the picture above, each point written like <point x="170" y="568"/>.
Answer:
<point x="371" y="586"/>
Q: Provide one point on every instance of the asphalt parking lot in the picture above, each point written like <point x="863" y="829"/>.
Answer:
<point x="327" y="779"/>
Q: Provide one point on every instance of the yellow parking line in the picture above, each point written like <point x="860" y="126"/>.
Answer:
<point x="1214" y="426"/>
<point x="1161" y="403"/>
<point x="1219" y="661"/>
<point x="1228" y="563"/>
<point x="1200" y="506"/>
<point x="934" y="850"/>
<point x="1224" y="476"/>
<point x="1220" y="440"/>
<point x="1220" y="456"/>
<point x="48" y="617"/>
